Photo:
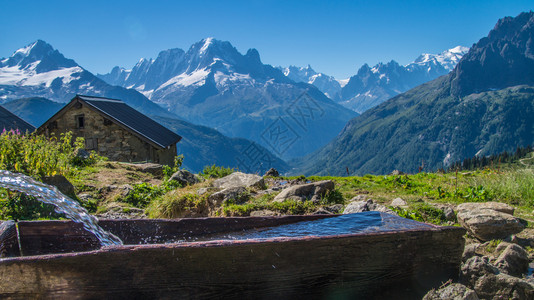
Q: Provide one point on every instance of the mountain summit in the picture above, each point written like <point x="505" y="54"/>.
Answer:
<point x="214" y="85"/>
<point x="38" y="70"/>
<point x="485" y="106"/>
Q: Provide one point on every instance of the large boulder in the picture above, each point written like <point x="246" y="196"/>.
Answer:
<point x="503" y="286"/>
<point x="309" y="191"/>
<point x="238" y="179"/>
<point x="356" y="206"/>
<point x="184" y="177"/>
<point x="513" y="260"/>
<point x="489" y="221"/>
<point x="61" y="183"/>
<point x="476" y="267"/>
<point x="237" y="195"/>
<point x="454" y="291"/>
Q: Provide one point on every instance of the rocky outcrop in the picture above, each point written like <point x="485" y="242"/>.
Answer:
<point x="238" y="179"/>
<point x="489" y="220"/>
<point x="272" y="172"/>
<point x="184" y="177"/>
<point x="454" y="291"/>
<point x="497" y="278"/>
<point x="313" y="191"/>
<point x="502" y="286"/>
<point x="513" y="260"/>
<point x="357" y="205"/>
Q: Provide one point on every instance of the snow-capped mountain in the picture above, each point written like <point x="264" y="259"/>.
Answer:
<point x="214" y="85"/>
<point x="372" y="86"/>
<point x="326" y="84"/>
<point x="38" y="70"/>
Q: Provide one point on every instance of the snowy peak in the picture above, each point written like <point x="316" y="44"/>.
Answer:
<point x="448" y="58"/>
<point x="38" y="56"/>
<point x="38" y="64"/>
<point x="326" y="84"/>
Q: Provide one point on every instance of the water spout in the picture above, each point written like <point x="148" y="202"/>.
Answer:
<point x="63" y="204"/>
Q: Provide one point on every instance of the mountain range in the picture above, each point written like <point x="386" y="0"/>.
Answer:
<point x="372" y="86"/>
<point x="214" y="85"/>
<point x="37" y="80"/>
<point x="484" y="106"/>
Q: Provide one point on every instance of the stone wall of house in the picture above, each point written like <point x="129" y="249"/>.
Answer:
<point x="107" y="138"/>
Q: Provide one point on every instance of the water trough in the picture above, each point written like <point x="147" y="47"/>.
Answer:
<point x="365" y="255"/>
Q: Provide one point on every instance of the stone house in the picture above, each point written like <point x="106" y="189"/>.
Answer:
<point x="115" y="130"/>
<point x="9" y="121"/>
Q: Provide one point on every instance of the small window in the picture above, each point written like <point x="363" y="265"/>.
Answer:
<point x="91" y="144"/>
<point x="80" y="121"/>
<point x="107" y="122"/>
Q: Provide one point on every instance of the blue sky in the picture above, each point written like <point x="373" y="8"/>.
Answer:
<point x="334" y="37"/>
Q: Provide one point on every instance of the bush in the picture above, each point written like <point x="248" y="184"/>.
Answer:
<point x="178" y="204"/>
<point x="142" y="194"/>
<point x="36" y="155"/>
<point x="214" y="171"/>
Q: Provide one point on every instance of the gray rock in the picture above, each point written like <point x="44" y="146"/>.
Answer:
<point x="272" y="172"/>
<point x="398" y="202"/>
<point x="503" y="286"/>
<point x="126" y="190"/>
<point x="335" y="209"/>
<point x="154" y="169"/>
<point x="454" y="291"/>
<point x="449" y="213"/>
<point x="496" y="206"/>
<point x="486" y="223"/>
<point x="61" y="183"/>
<point x="263" y="213"/>
<point x="82" y="154"/>
<point x="396" y="172"/>
<point x="321" y="211"/>
<point x="308" y="191"/>
<point x="117" y="211"/>
<point x="184" y="177"/>
<point x="469" y="251"/>
<point x="476" y="267"/>
<point x="513" y="260"/>
<point x="367" y="205"/>
<point x="238" y="179"/>
<point x="238" y="195"/>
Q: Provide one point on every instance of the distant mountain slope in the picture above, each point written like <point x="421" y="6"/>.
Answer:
<point x="38" y="70"/>
<point x="485" y="106"/>
<point x="215" y="85"/>
<point x="201" y="146"/>
<point x="34" y="110"/>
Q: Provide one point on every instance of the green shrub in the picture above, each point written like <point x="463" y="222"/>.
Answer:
<point x="142" y="194"/>
<point x="168" y="171"/>
<point x="214" y="171"/>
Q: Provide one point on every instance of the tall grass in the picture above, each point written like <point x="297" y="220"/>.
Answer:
<point x="514" y="187"/>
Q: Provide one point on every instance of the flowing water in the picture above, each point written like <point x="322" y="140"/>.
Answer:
<point x="63" y="204"/>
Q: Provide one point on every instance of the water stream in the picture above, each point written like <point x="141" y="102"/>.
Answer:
<point x="63" y="204"/>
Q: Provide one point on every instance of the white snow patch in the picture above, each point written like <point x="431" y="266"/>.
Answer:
<point x="195" y="78"/>
<point x="224" y="79"/>
<point x="447" y="160"/>
<point x="343" y="82"/>
<point x="207" y="43"/>
<point x="28" y="76"/>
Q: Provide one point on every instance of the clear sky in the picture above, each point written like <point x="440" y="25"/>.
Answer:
<point x="334" y="37"/>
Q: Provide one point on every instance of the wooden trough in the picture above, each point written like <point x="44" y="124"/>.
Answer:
<point x="401" y="260"/>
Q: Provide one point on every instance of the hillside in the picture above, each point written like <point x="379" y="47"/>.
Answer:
<point x="448" y="119"/>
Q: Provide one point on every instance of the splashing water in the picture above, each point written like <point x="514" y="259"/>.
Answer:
<point x="63" y="204"/>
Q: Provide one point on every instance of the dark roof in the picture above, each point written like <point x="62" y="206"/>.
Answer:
<point x="10" y="121"/>
<point x="137" y="122"/>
